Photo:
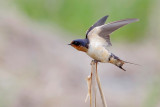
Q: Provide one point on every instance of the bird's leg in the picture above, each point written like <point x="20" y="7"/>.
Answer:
<point x="96" y="61"/>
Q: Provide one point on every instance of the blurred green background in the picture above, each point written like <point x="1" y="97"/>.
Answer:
<point x="38" y="69"/>
<point x="78" y="15"/>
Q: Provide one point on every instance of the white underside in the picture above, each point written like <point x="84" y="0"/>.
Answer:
<point x="97" y="48"/>
<point x="98" y="52"/>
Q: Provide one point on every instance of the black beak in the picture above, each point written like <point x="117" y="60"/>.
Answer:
<point x="69" y="44"/>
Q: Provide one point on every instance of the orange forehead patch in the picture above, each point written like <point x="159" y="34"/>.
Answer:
<point x="80" y="48"/>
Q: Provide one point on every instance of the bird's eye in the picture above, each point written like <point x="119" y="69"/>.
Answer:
<point x="76" y="43"/>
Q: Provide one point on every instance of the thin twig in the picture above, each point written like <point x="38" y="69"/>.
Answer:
<point x="100" y="89"/>
<point x="93" y="85"/>
<point x="89" y="87"/>
<point x="91" y="81"/>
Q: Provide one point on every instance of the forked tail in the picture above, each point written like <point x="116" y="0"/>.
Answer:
<point x="131" y="63"/>
<point x="118" y="62"/>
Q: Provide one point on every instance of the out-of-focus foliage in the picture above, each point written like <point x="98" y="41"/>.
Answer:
<point x="78" y="15"/>
<point x="153" y="97"/>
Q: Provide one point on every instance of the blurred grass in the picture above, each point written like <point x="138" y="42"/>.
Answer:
<point x="153" y="97"/>
<point x="78" y="15"/>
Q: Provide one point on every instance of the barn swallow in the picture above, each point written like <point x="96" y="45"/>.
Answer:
<point x="98" y="39"/>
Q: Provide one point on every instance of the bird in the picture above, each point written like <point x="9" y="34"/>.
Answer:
<point x="97" y="41"/>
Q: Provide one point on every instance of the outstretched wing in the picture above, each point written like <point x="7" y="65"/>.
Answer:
<point x="98" y="23"/>
<point x="104" y="31"/>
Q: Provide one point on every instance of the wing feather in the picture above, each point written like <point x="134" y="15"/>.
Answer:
<point x="98" y="23"/>
<point x="104" y="31"/>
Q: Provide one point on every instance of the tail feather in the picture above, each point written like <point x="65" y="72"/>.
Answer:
<point x="122" y="68"/>
<point x="118" y="62"/>
<point x="131" y="63"/>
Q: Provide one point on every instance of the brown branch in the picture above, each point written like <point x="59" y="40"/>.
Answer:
<point x="89" y="87"/>
<point x="91" y="81"/>
<point x="100" y="89"/>
<point x="93" y="84"/>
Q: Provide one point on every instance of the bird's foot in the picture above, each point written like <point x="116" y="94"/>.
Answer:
<point x="96" y="61"/>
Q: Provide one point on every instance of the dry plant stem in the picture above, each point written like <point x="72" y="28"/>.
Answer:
<point x="100" y="89"/>
<point x="93" y="84"/>
<point x="89" y="87"/>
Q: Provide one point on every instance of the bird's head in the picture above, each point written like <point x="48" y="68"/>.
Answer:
<point x="80" y="44"/>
